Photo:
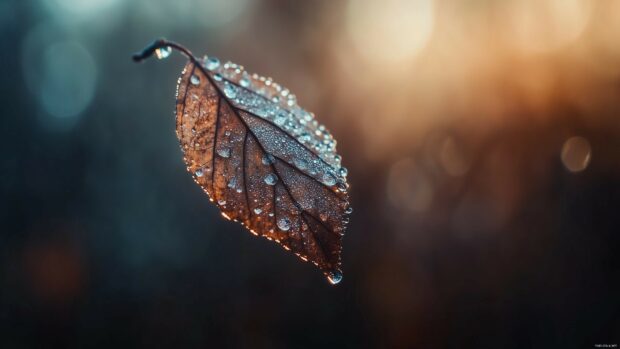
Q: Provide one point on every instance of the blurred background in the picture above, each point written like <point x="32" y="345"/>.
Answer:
<point x="482" y="139"/>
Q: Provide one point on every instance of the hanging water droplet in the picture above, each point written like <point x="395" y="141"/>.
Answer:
<point x="221" y="202"/>
<point x="195" y="80"/>
<point x="284" y="224"/>
<point x="163" y="52"/>
<point x="224" y="152"/>
<point x="300" y="163"/>
<point x="270" y="214"/>
<point x="271" y="179"/>
<point x="343" y="171"/>
<point x="232" y="183"/>
<point x="217" y="77"/>
<point x="328" y="179"/>
<point x="258" y="210"/>
<point x="334" y="277"/>
<point x="199" y="172"/>
<point x="212" y="63"/>
<point x="349" y="210"/>
<point x="268" y="159"/>
<point x="230" y="91"/>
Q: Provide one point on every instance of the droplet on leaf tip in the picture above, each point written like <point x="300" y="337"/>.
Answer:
<point x="329" y="179"/>
<point x="334" y="277"/>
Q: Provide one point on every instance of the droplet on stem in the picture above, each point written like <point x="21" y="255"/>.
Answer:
<point x="163" y="52"/>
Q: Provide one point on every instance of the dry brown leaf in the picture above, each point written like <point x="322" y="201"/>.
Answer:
<point x="262" y="159"/>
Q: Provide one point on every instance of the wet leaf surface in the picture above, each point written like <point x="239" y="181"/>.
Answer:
<point x="263" y="160"/>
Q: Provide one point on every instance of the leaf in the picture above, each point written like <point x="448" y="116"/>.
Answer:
<point x="262" y="159"/>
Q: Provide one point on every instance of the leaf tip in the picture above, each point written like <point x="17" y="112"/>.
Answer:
<point x="149" y="50"/>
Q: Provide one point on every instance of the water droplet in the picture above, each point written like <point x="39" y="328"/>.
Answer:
<point x="224" y="152"/>
<point x="244" y="82"/>
<point x="271" y="179"/>
<point x="199" y="172"/>
<point x="334" y="277"/>
<point x="300" y="163"/>
<point x="349" y="210"/>
<point x="163" y="52"/>
<point x="217" y="77"/>
<point x="212" y="63"/>
<point x="270" y="214"/>
<point x="230" y="91"/>
<point x="258" y="210"/>
<point x="329" y="179"/>
<point x="195" y="80"/>
<point x="268" y="159"/>
<point x="343" y="171"/>
<point x="280" y="118"/>
<point x="284" y="224"/>
<point x="221" y="202"/>
<point x="232" y="182"/>
<point x="239" y="190"/>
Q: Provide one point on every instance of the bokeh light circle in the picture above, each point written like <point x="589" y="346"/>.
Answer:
<point x="391" y="30"/>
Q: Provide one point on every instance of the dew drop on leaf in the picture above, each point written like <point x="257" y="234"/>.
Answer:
<point x="230" y="91"/>
<point x="300" y="163"/>
<point x="224" y="152"/>
<point x="284" y="224"/>
<point x="195" y="80"/>
<point x="212" y="63"/>
<point x="271" y="179"/>
<point x="244" y="81"/>
<point x="268" y="159"/>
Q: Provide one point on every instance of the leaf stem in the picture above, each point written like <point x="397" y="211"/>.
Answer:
<point x="161" y="43"/>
